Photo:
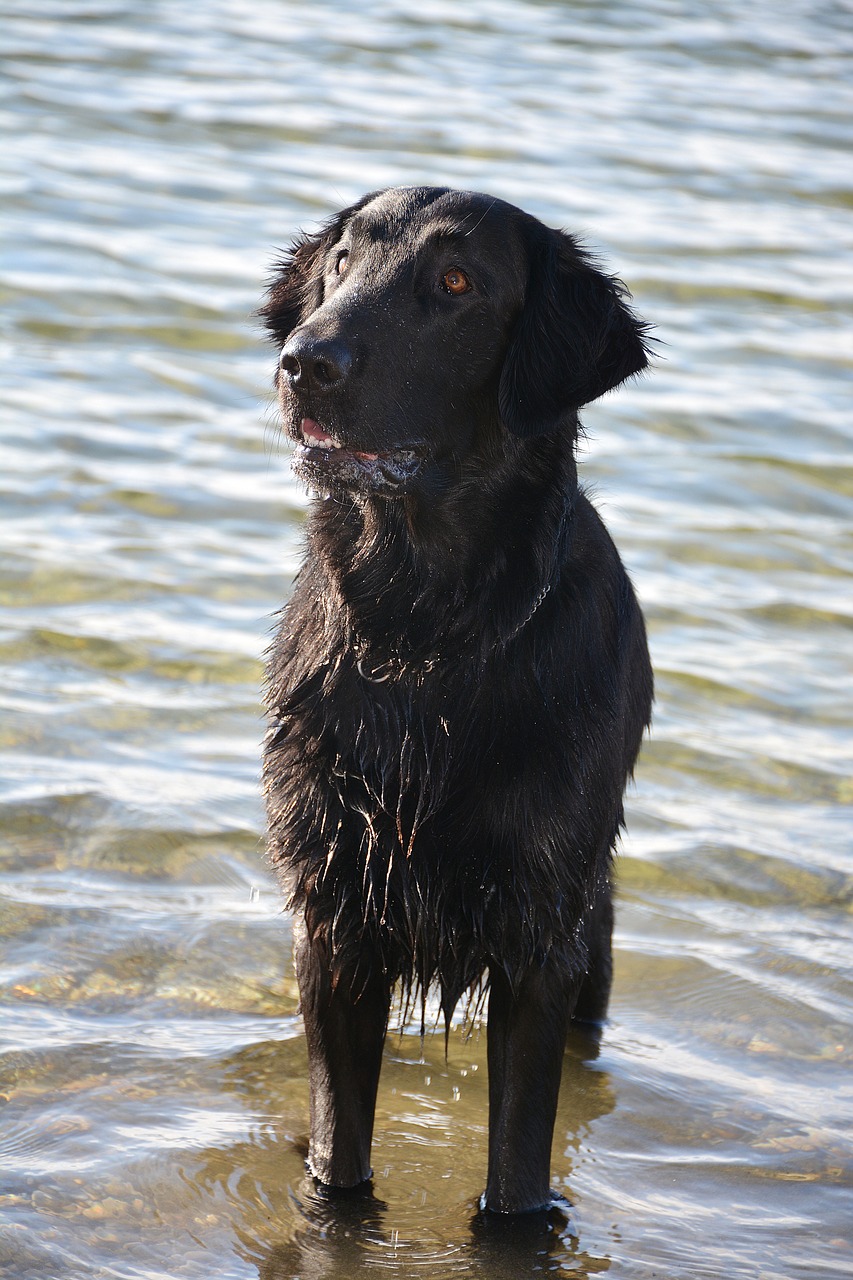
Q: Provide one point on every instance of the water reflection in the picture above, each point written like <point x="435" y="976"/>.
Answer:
<point x="351" y="1242"/>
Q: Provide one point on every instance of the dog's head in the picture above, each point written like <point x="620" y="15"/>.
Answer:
<point x="421" y="318"/>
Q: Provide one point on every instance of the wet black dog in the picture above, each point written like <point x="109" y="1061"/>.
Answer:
<point x="460" y="683"/>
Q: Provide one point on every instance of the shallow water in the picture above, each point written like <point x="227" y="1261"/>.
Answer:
<point x="151" y="1060"/>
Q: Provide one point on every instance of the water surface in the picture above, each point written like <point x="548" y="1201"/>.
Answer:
<point x="152" y="1069"/>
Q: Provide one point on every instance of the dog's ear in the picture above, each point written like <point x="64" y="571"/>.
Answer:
<point x="296" y="284"/>
<point x="576" y="338"/>
<point x="295" y="287"/>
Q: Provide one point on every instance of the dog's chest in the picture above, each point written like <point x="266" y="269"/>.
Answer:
<point x="389" y="749"/>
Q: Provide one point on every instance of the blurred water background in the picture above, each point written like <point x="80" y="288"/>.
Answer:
<point x="151" y="1062"/>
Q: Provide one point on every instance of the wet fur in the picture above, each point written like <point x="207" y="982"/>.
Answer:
<point x="449" y="741"/>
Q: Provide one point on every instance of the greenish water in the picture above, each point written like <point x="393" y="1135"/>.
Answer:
<point x="151" y="1062"/>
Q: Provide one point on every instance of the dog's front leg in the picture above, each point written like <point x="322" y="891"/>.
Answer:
<point x="345" y="1026"/>
<point x="526" y="1039"/>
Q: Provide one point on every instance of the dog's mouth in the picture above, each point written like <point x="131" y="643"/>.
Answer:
<point x="314" y="437"/>
<point x="324" y="461"/>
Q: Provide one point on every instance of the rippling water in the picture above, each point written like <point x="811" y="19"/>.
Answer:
<point x="151" y="1061"/>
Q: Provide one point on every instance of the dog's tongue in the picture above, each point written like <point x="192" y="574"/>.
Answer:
<point x="315" y="435"/>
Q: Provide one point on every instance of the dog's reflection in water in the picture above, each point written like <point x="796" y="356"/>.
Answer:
<point x="346" y="1238"/>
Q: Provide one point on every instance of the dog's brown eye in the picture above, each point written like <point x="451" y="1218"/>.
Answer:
<point x="456" y="281"/>
<point x="342" y="263"/>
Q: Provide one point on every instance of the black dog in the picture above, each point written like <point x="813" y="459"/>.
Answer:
<point x="460" y="683"/>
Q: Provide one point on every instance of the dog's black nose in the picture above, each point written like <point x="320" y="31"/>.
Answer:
<point x="315" y="364"/>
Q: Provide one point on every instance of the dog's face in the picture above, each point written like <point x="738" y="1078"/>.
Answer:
<point x="421" y="319"/>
